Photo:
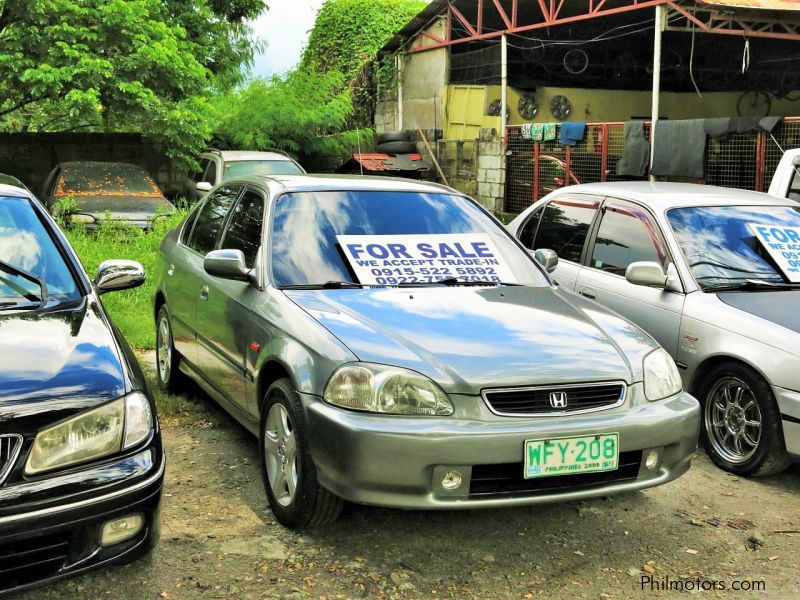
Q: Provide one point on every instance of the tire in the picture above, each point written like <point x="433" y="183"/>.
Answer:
<point x="392" y="136"/>
<point x="169" y="377"/>
<point x="286" y="463"/>
<point x="733" y="395"/>
<point x="397" y="148"/>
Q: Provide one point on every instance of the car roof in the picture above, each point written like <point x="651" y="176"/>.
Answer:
<point x="243" y="155"/>
<point x="665" y="195"/>
<point x="13" y="191"/>
<point x="321" y="183"/>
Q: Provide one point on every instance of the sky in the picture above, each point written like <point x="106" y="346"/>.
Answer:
<point x="285" y="28"/>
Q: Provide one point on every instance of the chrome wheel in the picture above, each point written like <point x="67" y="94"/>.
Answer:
<point x="164" y="349"/>
<point x="733" y="420"/>
<point x="280" y="451"/>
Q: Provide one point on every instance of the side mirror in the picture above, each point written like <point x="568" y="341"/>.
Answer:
<point x="115" y="275"/>
<point x="226" y="264"/>
<point x="203" y="187"/>
<point x="646" y="273"/>
<point x="547" y="258"/>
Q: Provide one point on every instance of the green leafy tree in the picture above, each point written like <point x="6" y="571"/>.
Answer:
<point x="121" y="65"/>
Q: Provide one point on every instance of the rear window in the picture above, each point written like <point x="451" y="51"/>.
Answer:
<point x="247" y="168"/>
<point x="106" y="179"/>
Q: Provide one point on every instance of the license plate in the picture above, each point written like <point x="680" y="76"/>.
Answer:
<point x="571" y="455"/>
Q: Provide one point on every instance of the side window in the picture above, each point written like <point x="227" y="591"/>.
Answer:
<point x="564" y="227"/>
<point x="245" y="224"/>
<point x="211" y="217"/>
<point x="527" y="234"/>
<point x="211" y="173"/>
<point x="198" y="175"/>
<point x="187" y="228"/>
<point x="625" y="235"/>
<point x="794" y="187"/>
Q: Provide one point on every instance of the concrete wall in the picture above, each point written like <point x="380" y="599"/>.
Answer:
<point x="31" y="156"/>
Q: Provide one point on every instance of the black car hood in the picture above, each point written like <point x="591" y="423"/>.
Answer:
<point x="779" y="307"/>
<point x="53" y="364"/>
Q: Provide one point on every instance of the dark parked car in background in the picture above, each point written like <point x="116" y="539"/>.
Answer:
<point x="120" y="190"/>
<point x="81" y="462"/>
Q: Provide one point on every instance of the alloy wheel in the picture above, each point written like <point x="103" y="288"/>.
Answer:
<point x="164" y="349"/>
<point x="733" y="420"/>
<point x="280" y="446"/>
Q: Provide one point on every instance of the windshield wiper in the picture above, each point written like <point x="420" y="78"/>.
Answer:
<point x="752" y="284"/>
<point x="12" y="270"/>
<point x="455" y="281"/>
<point x="328" y="285"/>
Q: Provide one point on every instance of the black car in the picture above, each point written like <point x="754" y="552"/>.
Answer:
<point x="81" y="462"/>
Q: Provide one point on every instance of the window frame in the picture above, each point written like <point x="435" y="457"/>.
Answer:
<point x="584" y="200"/>
<point x="227" y="222"/>
<point x="645" y="215"/>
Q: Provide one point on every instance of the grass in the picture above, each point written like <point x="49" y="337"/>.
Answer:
<point x="131" y="310"/>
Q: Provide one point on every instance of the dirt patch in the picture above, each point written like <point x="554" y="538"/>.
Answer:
<point x="221" y="541"/>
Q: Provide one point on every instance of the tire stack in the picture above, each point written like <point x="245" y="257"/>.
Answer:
<point x="395" y="142"/>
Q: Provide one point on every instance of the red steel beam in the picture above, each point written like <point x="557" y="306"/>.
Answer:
<point x="480" y="16"/>
<point x="503" y="14"/>
<point x="464" y="21"/>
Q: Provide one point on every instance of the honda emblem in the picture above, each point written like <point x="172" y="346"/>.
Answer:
<point x="558" y="399"/>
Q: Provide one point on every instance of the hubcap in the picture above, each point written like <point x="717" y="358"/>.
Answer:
<point x="280" y="448"/>
<point x="164" y="349"/>
<point x="733" y="420"/>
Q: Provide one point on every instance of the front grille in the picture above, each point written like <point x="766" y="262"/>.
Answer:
<point x="504" y="480"/>
<point x="33" y="559"/>
<point x="10" y="445"/>
<point x="569" y="399"/>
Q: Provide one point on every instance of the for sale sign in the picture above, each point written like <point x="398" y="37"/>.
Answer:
<point x="783" y="244"/>
<point x="395" y="259"/>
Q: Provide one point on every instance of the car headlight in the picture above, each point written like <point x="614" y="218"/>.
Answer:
<point x="661" y="376"/>
<point x="92" y="435"/>
<point x="386" y="390"/>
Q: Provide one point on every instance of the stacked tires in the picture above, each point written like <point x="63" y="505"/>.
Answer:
<point x="395" y="142"/>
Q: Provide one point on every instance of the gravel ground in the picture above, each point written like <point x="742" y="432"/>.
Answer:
<point x="220" y="539"/>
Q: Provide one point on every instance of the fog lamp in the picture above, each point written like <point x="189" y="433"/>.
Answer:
<point x="451" y="480"/>
<point x="651" y="461"/>
<point x="120" y="530"/>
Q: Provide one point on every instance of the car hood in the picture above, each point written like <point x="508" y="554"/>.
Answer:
<point x="467" y="339"/>
<point x="55" y="364"/>
<point x="130" y="208"/>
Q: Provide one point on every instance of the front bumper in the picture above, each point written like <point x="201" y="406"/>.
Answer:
<point x="399" y="462"/>
<point x="46" y="535"/>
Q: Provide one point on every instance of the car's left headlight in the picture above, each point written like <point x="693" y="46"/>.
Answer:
<point x="387" y="390"/>
<point x="92" y="435"/>
<point x="661" y="376"/>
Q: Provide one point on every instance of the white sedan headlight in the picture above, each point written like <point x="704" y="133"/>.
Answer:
<point x="92" y="435"/>
<point x="386" y="390"/>
<point x="661" y="376"/>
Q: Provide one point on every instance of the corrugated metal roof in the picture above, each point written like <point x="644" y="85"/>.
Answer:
<point x="387" y="162"/>
<point x="757" y="4"/>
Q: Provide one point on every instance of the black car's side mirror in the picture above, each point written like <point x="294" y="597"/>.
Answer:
<point x="227" y="264"/>
<point x="115" y="275"/>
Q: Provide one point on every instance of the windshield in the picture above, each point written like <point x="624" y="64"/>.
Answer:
<point x="391" y="238"/>
<point x="106" y="179"/>
<point x="26" y="245"/>
<point x="246" y="168"/>
<point x="720" y="247"/>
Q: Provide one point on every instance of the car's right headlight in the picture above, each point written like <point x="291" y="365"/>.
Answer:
<point x="661" y="376"/>
<point x="387" y="390"/>
<point x="92" y="435"/>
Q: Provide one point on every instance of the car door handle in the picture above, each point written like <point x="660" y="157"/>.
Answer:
<point x="588" y="293"/>
<point x="204" y="293"/>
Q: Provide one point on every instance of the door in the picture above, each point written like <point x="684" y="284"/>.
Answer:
<point x="224" y="312"/>
<point x="185" y="275"/>
<point x="627" y="234"/>
<point x="562" y="225"/>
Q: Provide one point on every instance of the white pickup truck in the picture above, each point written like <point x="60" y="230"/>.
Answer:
<point x="786" y="181"/>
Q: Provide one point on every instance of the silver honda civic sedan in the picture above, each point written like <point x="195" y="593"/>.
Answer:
<point x="713" y="274"/>
<point x="391" y="344"/>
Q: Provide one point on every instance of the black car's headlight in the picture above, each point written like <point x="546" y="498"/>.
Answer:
<point x="92" y="435"/>
<point x="388" y="390"/>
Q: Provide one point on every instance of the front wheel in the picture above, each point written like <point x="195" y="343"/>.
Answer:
<point x="168" y="374"/>
<point x="289" y="475"/>
<point x="741" y="422"/>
